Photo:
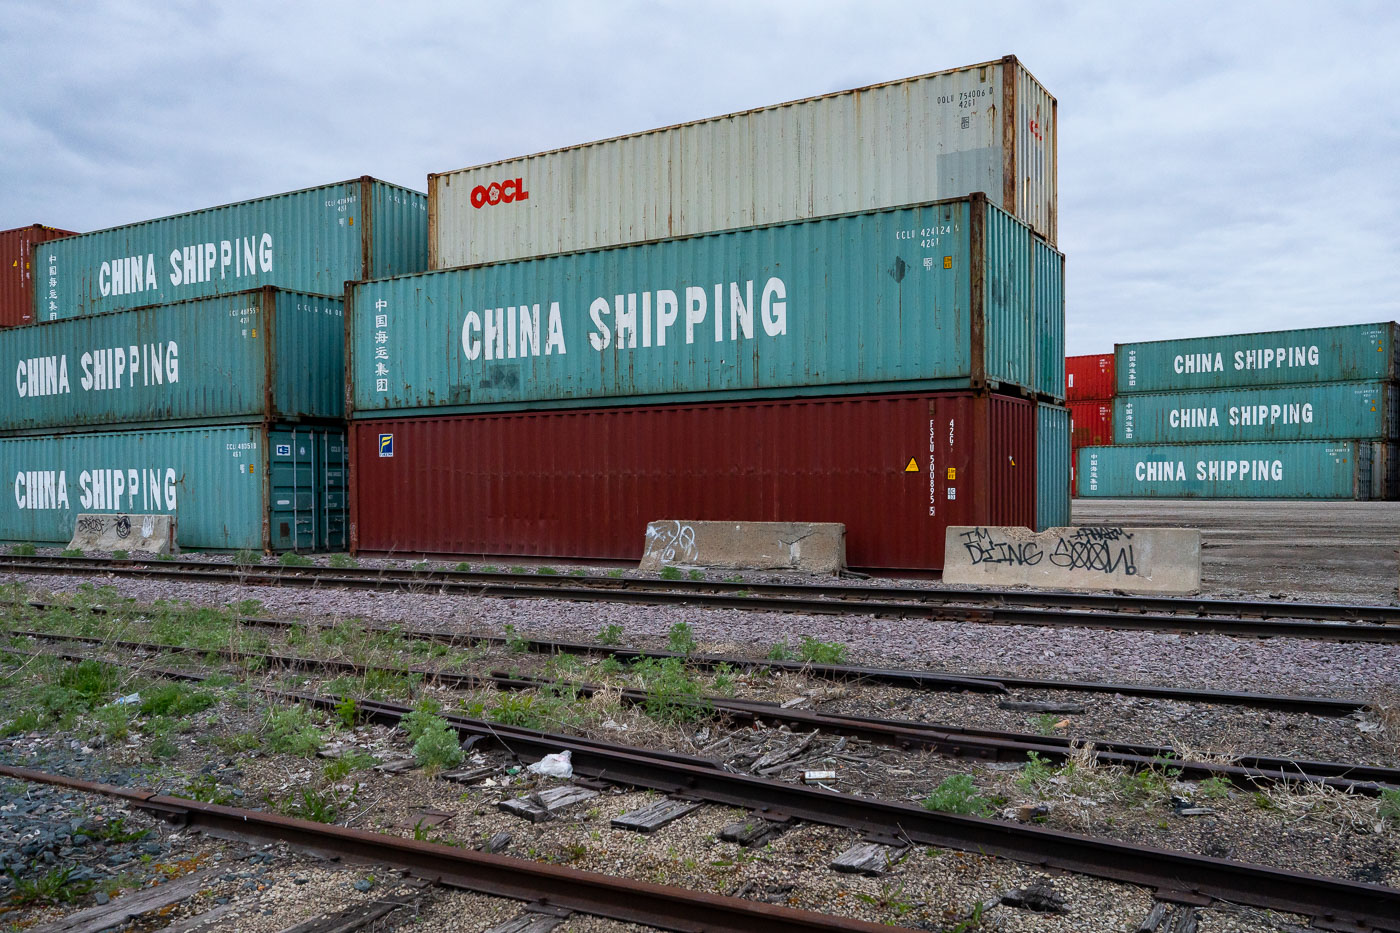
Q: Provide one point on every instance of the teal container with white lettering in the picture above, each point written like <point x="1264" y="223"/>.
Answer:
<point x="1353" y="353"/>
<point x="945" y="295"/>
<point x="1294" y="470"/>
<point x="262" y="355"/>
<point x="1330" y="411"/>
<point x="230" y="487"/>
<point x="313" y="240"/>
<point x="1052" y="463"/>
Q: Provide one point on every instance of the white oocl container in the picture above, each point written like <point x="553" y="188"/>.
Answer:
<point x="988" y="127"/>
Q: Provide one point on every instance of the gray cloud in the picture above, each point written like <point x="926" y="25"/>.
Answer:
<point x="1223" y="167"/>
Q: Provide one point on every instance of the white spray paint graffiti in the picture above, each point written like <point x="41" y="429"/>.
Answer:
<point x="671" y="542"/>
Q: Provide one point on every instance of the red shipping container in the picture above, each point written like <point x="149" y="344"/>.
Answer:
<point x="16" y="276"/>
<point x="1089" y="377"/>
<point x="1091" y="424"/>
<point x="897" y="470"/>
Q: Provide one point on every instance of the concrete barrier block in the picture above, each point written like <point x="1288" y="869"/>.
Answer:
<point x="121" y="532"/>
<point x="810" y="547"/>
<point x="1089" y="557"/>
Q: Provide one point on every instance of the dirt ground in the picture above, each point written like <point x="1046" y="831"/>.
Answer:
<point x="1324" y="550"/>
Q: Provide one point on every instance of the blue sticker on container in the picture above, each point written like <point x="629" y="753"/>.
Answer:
<point x="284" y="450"/>
<point x="386" y="445"/>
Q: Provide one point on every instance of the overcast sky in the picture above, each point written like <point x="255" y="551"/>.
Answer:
<point x="1223" y="167"/>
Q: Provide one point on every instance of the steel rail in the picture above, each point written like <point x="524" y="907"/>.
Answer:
<point x="1334" y="903"/>
<point x="1181" y="605"/>
<point x="895" y="677"/>
<point x="955" y="741"/>
<point x="571" y="589"/>
<point x="538" y="883"/>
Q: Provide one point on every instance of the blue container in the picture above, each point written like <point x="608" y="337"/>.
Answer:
<point x="1295" y="470"/>
<point x="1354" y="353"/>
<point x="229" y="486"/>
<point x="1330" y="411"/>
<point x="948" y="295"/>
<point x="1052" y="462"/>
<point x="264" y="355"/>
<point x="313" y="240"/>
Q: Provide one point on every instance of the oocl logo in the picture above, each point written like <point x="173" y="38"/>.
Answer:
<point x="499" y="192"/>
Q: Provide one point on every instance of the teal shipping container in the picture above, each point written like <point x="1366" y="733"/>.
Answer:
<point x="1052" y="466"/>
<point x="1329" y="411"/>
<point x="1292" y="470"/>
<point x="313" y="240"/>
<point x="945" y="295"/>
<point x="262" y="487"/>
<point x="1354" y="353"/>
<point x="263" y="355"/>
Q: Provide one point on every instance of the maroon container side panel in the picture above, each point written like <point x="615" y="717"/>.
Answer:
<point x="17" y="271"/>
<point x="1089" y="377"/>
<point x="584" y="484"/>
<point x="1092" y="424"/>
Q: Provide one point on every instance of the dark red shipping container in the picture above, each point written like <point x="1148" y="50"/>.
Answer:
<point x="1089" y="377"/>
<point x="16" y="276"/>
<point x="1092" y="424"/>
<point x="896" y="469"/>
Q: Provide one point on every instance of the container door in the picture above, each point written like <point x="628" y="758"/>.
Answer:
<point x="332" y="472"/>
<point x="293" y="507"/>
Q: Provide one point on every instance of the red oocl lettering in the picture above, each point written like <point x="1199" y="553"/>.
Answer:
<point x="499" y="193"/>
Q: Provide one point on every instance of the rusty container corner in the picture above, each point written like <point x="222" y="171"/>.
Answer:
<point x="988" y="127"/>
<point x="1089" y="378"/>
<point x="18" y="270"/>
<point x="897" y="470"/>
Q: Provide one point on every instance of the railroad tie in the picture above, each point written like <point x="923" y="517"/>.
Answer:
<point x="655" y="815"/>
<point x="541" y="806"/>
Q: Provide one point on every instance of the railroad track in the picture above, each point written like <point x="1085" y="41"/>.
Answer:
<point x="1177" y="877"/>
<point x="1225" y="617"/>
<point x="954" y="741"/>
<point x="998" y="683"/>
<point x="550" y="889"/>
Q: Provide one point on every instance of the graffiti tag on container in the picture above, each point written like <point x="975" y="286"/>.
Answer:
<point x="670" y="543"/>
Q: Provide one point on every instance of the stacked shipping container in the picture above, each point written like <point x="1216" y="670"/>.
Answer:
<point x="226" y="409"/>
<point x="1309" y="413"/>
<point x="818" y="340"/>
<point x="17" y="282"/>
<point x="1089" y="394"/>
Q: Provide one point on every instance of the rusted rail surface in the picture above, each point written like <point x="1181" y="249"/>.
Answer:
<point x="663" y="907"/>
<point x="956" y="741"/>
<point x="1225" y="617"/>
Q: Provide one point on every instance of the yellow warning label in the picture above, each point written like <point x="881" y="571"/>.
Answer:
<point x="912" y="466"/>
<point x="255" y="331"/>
<point x="952" y="472"/>
<point x="250" y="468"/>
<point x="947" y="262"/>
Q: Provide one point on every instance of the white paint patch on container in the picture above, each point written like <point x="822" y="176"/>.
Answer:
<point x="988" y="127"/>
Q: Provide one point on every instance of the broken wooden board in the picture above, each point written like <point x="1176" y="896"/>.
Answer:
<point x="1170" y="918"/>
<point x="869" y="858"/>
<point x="654" y="816"/>
<point x="751" y="833"/>
<point x="130" y="906"/>
<point x="469" y="775"/>
<point x="539" y="806"/>
<point x="528" y="923"/>
<point x="358" y="917"/>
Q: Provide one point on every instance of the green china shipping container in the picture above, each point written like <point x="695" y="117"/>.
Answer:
<point x="1330" y="411"/>
<point x="263" y="355"/>
<point x="1354" y="353"/>
<point x="946" y="295"/>
<point x="1052" y="463"/>
<point x="1292" y="470"/>
<point x="313" y="240"/>
<point x="261" y="487"/>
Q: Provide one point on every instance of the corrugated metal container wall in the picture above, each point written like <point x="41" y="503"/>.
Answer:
<point x="1052" y="467"/>
<point x="17" y="281"/>
<point x="1089" y="378"/>
<point x="313" y="240"/>
<point x="1093" y="423"/>
<point x="1049" y="280"/>
<point x="1354" y="353"/>
<point x="263" y="355"/>
<point x="988" y="127"/>
<point x="884" y="301"/>
<point x="1385" y="471"/>
<point x="1292" y="470"/>
<point x="897" y="470"/>
<point x="230" y="487"/>
<point x="1331" y="411"/>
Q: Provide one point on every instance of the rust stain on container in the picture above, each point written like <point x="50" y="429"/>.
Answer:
<point x="584" y="483"/>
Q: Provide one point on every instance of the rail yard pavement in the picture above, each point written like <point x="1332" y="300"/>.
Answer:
<point x="1322" y="550"/>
